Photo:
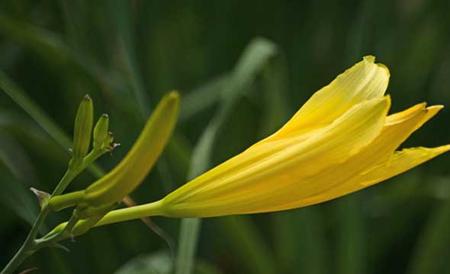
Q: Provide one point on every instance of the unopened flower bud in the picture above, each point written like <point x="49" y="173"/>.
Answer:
<point x="101" y="134"/>
<point x="83" y="128"/>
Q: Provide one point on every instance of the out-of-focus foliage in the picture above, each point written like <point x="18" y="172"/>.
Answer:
<point x="127" y="54"/>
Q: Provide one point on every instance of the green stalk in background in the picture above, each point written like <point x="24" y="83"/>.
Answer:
<point x="253" y="60"/>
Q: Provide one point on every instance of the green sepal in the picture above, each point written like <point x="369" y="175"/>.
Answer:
<point x="42" y="196"/>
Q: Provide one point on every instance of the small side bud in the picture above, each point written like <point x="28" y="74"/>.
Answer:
<point x="101" y="131"/>
<point x="103" y="139"/>
<point x="83" y="128"/>
<point x="41" y="195"/>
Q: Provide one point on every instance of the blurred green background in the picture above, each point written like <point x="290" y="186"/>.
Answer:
<point x="242" y="67"/>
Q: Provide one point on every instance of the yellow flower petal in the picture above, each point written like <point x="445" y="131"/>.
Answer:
<point x="224" y="190"/>
<point x="397" y="129"/>
<point x="364" y="81"/>
<point x="399" y="163"/>
<point x="344" y="178"/>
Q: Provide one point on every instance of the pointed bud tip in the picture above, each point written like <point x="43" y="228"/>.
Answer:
<point x="172" y="101"/>
<point x="87" y="97"/>
<point x="173" y="95"/>
<point x="105" y="116"/>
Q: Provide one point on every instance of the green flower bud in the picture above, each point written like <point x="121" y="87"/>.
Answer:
<point x="102" y="137"/>
<point x="83" y="128"/>
<point x="130" y="172"/>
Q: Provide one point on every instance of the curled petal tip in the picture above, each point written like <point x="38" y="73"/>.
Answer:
<point x="369" y="58"/>
<point x="380" y="65"/>
<point x="435" y="107"/>
<point x="423" y="105"/>
<point x="444" y="148"/>
<point x="433" y="110"/>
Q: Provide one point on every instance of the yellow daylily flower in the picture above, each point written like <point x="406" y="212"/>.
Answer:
<point x="340" y="141"/>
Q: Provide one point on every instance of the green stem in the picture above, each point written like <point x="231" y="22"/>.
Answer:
<point x="131" y="213"/>
<point x="115" y="216"/>
<point x="30" y="245"/>
<point x="65" y="181"/>
<point x="189" y="233"/>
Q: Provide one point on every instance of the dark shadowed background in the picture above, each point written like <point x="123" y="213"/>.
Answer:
<point x="262" y="59"/>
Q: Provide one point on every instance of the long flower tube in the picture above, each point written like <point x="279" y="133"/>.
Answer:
<point x="340" y="141"/>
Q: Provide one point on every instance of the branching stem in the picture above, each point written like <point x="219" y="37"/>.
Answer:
<point x="31" y="244"/>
